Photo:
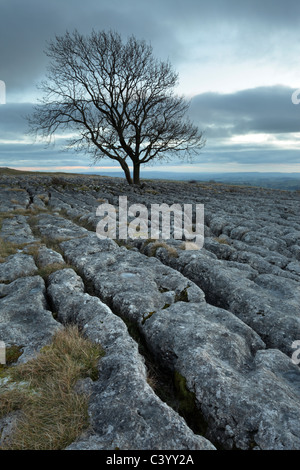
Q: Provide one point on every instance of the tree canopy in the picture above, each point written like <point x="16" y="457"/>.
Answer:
<point x="116" y="100"/>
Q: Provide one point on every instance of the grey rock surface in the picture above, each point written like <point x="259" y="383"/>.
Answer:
<point x="267" y="302"/>
<point x="47" y="256"/>
<point x="15" y="266"/>
<point x="225" y="318"/>
<point x="149" y="285"/>
<point x="7" y="425"/>
<point x="25" y="319"/>
<point x="237" y="383"/>
<point x="16" y="230"/>
<point x="210" y="347"/>
<point x="125" y="412"/>
<point x="13" y="197"/>
<point x="57" y="228"/>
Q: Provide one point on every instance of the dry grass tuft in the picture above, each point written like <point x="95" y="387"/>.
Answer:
<point x="8" y="248"/>
<point x="223" y="241"/>
<point x="160" y="244"/>
<point x="52" y="414"/>
<point x="186" y="245"/>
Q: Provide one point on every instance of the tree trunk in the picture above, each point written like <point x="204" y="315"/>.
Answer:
<point x="136" y="173"/>
<point x="126" y="170"/>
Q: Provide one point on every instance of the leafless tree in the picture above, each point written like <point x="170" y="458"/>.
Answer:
<point x="115" y="100"/>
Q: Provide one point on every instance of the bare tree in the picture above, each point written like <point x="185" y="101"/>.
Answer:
<point x="115" y="99"/>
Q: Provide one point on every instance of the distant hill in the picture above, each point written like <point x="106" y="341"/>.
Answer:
<point x="10" y="171"/>
<point x="283" y="181"/>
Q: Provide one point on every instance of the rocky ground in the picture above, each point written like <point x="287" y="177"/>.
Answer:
<point x="199" y="344"/>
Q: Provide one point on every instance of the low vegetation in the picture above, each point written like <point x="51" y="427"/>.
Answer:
<point x="160" y="244"/>
<point x="221" y="240"/>
<point x="51" y="413"/>
<point x="8" y="248"/>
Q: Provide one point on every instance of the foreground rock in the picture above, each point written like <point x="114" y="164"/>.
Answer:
<point x="124" y="411"/>
<point x="18" y="265"/>
<point x="17" y="230"/>
<point x="25" y="319"/>
<point x="266" y="302"/>
<point x="237" y="386"/>
<point x="219" y="356"/>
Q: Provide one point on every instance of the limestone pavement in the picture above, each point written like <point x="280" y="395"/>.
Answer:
<point x="220" y="322"/>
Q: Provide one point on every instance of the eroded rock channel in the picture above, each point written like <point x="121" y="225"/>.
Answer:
<point x="220" y="322"/>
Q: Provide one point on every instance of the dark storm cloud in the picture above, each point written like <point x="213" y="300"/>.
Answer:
<point x="25" y="26"/>
<point x="192" y="34"/>
<point x="13" y="120"/>
<point x="278" y="13"/>
<point x="262" y="109"/>
<point x="259" y="110"/>
<point x="30" y="155"/>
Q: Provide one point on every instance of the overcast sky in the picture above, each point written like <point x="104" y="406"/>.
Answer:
<point x="238" y="61"/>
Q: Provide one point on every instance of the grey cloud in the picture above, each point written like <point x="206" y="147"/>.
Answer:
<point x="221" y="30"/>
<point x="25" y="28"/>
<point x="29" y="155"/>
<point x="265" y="110"/>
<point x="270" y="12"/>
<point x="238" y="154"/>
<point x="231" y="32"/>
<point x="13" y="122"/>
<point x="262" y="109"/>
<point x="17" y="155"/>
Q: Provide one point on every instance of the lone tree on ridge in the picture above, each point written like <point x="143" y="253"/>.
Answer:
<point x="116" y="100"/>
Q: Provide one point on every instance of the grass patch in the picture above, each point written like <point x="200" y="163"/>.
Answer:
<point x="33" y="250"/>
<point x="45" y="271"/>
<point x="151" y="191"/>
<point x="52" y="414"/>
<point x="182" y="296"/>
<point x="8" y="248"/>
<point x="172" y="252"/>
<point x="12" y="354"/>
<point x="4" y="215"/>
<point x="30" y="212"/>
<point x="223" y="241"/>
<point x="149" y="315"/>
<point x="189" y="246"/>
<point x="187" y="405"/>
